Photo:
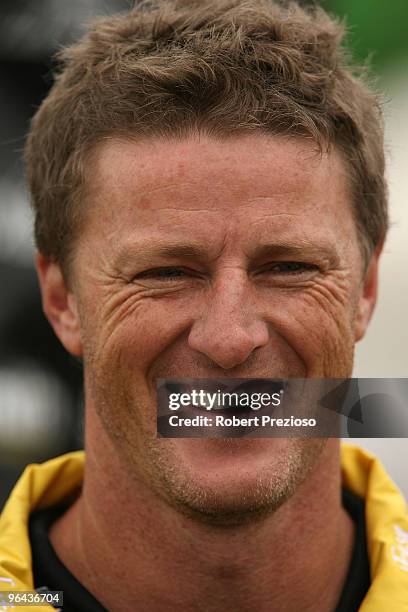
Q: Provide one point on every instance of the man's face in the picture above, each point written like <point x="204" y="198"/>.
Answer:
<point x="206" y="258"/>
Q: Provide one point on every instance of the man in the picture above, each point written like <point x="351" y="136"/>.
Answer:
<point x="208" y="184"/>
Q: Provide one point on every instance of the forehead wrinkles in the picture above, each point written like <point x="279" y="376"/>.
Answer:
<point x="157" y="174"/>
<point x="140" y="188"/>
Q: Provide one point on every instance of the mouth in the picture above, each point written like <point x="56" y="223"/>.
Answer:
<point x="216" y="407"/>
<point x="226" y="396"/>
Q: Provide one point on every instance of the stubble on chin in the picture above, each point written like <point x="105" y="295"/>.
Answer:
<point x="260" y="495"/>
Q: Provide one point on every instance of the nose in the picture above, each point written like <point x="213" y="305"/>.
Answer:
<point x="229" y="329"/>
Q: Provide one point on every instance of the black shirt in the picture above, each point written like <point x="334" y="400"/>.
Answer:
<point x="49" y="571"/>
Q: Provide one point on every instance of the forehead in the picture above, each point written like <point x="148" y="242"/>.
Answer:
<point x="202" y="183"/>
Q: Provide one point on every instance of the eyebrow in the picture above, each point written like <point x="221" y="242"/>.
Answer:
<point x="196" y="252"/>
<point x="167" y="251"/>
<point x="303" y="248"/>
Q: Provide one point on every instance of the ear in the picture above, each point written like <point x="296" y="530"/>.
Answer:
<point x="59" y="305"/>
<point x="368" y="296"/>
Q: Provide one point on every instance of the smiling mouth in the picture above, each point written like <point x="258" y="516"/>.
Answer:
<point x="233" y="390"/>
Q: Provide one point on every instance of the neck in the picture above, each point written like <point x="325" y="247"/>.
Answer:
<point x="135" y="547"/>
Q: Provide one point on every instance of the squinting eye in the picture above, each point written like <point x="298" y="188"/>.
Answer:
<point x="163" y="273"/>
<point x="290" y="267"/>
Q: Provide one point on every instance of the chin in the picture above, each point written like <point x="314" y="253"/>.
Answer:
<point x="230" y="481"/>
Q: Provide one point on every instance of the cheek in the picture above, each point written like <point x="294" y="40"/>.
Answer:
<point x="121" y="339"/>
<point x="130" y="332"/>
<point x="318" y="324"/>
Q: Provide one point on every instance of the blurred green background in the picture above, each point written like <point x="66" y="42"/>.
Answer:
<point x="376" y="27"/>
